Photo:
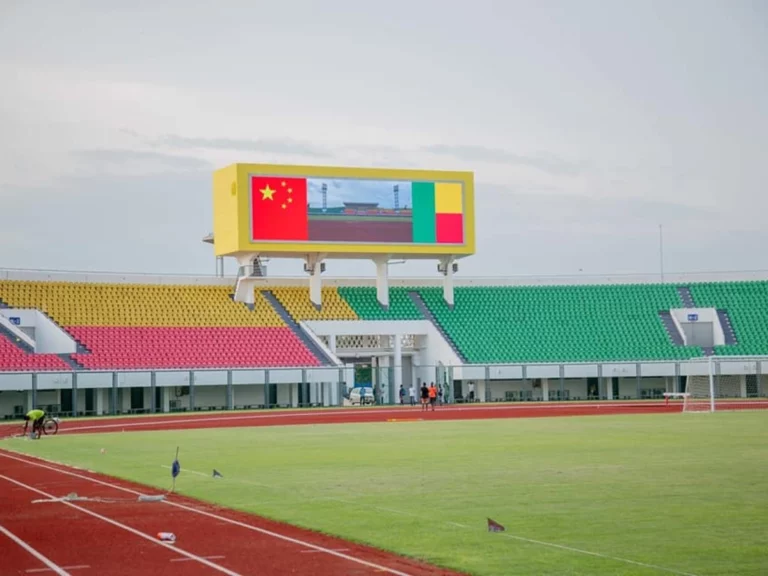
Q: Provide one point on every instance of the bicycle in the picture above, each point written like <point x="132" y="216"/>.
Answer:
<point x="50" y="427"/>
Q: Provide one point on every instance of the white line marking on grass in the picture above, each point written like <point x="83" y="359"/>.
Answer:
<point x="51" y="566"/>
<point x="333" y="413"/>
<point x="392" y="510"/>
<point x="204" y="513"/>
<point x="38" y="570"/>
<point x="595" y="554"/>
<point x="175" y="549"/>
<point x="206" y="557"/>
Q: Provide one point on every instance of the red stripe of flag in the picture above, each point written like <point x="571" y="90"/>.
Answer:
<point x="279" y="208"/>
<point x="449" y="228"/>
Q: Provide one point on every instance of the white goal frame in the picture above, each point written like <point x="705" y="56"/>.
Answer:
<point x="718" y="383"/>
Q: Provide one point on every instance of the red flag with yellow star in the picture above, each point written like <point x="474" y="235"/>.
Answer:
<point x="279" y="208"/>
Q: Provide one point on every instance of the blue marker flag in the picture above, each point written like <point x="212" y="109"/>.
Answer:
<point x="176" y="467"/>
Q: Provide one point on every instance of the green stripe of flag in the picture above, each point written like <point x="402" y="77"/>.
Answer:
<point x="423" y="212"/>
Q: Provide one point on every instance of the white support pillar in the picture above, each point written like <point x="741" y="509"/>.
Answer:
<point x="100" y="395"/>
<point x="446" y="268"/>
<point x="382" y="280"/>
<point x="545" y="389"/>
<point x="244" y="286"/>
<point x="314" y="267"/>
<point x="398" y="364"/>
<point x="332" y="343"/>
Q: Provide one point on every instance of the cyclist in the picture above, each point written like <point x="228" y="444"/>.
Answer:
<point x="37" y="417"/>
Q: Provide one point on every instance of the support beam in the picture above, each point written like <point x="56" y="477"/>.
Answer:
<point x="230" y="395"/>
<point x="314" y="267"/>
<point x="34" y="392"/>
<point x="152" y="392"/>
<point x="191" y="391"/>
<point x="245" y="283"/>
<point x="397" y="364"/>
<point x="75" y="399"/>
<point x="446" y="268"/>
<point x="382" y="281"/>
<point x="113" y="409"/>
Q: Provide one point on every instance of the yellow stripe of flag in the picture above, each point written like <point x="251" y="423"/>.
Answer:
<point x="448" y="198"/>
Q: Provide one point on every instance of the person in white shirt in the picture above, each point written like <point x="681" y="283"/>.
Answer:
<point x="412" y="395"/>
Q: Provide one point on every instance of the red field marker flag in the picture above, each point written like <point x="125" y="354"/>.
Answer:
<point x="279" y="208"/>
<point x="494" y="526"/>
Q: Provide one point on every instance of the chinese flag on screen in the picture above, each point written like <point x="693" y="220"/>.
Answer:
<point x="279" y="208"/>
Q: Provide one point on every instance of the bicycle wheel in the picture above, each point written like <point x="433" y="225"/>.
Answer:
<point x="50" y="427"/>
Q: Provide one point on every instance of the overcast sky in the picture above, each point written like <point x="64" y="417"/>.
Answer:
<point x="587" y="124"/>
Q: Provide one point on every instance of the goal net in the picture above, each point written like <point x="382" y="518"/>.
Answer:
<point x="709" y="389"/>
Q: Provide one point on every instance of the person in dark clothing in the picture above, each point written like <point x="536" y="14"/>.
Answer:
<point x="424" y="397"/>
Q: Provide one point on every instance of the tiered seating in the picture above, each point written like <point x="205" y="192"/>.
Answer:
<point x="296" y="302"/>
<point x="163" y="347"/>
<point x="747" y="306"/>
<point x="132" y="326"/>
<point x="14" y="358"/>
<point x="559" y="323"/>
<point x="366" y="305"/>
<point x="81" y="304"/>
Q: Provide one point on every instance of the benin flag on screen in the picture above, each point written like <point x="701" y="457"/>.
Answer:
<point x="438" y="215"/>
<point x="279" y="208"/>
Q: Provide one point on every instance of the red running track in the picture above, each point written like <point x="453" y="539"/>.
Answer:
<point x="360" y="415"/>
<point x="118" y="535"/>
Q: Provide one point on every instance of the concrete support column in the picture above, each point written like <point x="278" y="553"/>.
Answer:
<point x="446" y="266"/>
<point x="33" y="395"/>
<point x="382" y="281"/>
<point x="230" y="392"/>
<point x="545" y="389"/>
<point x="562" y="382"/>
<point x="266" y="388"/>
<point x="191" y="391"/>
<point x="397" y="363"/>
<point x="113" y="407"/>
<point x="332" y="343"/>
<point x="638" y="378"/>
<point x="487" y="386"/>
<point x="152" y="392"/>
<point x="75" y="398"/>
<point x="314" y="267"/>
<point x="98" y="400"/>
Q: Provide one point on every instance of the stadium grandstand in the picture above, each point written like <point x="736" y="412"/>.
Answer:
<point x="90" y="344"/>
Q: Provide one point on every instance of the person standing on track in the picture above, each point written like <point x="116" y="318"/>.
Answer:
<point x="424" y="397"/>
<point x="432" y="395"/>
<point x="37" y="417"/>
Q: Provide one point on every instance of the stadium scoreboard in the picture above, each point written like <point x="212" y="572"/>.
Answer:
<point x="342" y="212"/>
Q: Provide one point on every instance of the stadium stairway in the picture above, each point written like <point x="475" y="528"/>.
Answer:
<point x="318" y="352"/>
<point x="671" y="328"/>
<point x="728" y="331"/>
<point x="23" y="346"/>
<point x="72" y="362"/>
<point x="686" y="296"/>
<point x="427" y="313"/>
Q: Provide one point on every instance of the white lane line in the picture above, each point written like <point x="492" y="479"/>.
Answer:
<point x="37" y="570"/>
<point x="175" y="549"/>
<point x="154" y="421"/>
<point x="317" y="551"/>
<point x="206" y="557"/>
<point x="341" y="555"/>
<point x="56" y="569"/>
<point x="263" y="531"/>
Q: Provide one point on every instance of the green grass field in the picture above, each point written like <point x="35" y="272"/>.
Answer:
<point x="685" y="492"/>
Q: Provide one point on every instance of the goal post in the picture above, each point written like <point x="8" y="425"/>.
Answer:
<point x="700" y="388"/>
<point x="724" y="383"/>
